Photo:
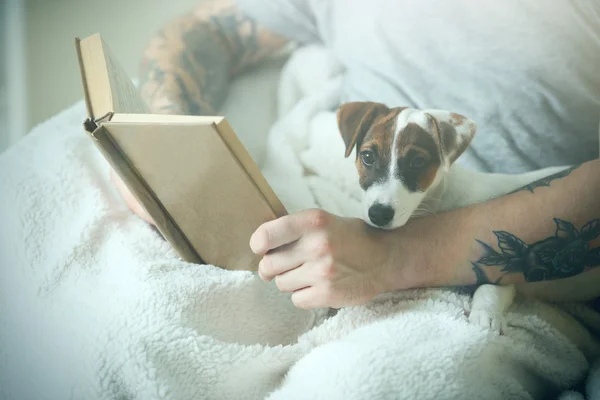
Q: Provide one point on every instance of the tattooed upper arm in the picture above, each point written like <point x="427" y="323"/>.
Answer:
<point x="187" y="66"/>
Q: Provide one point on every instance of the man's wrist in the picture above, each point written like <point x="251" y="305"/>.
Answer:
<point x="433" y="251"/>
<point x="407" y="265"/>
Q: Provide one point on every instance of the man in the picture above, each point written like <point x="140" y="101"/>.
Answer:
<point x="527" y="74"/>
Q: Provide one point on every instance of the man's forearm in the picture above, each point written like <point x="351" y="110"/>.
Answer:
<point x="548" y="230"/>
<point x="187" y="67"/>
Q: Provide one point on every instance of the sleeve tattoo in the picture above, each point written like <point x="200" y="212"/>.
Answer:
<point x="187" y="66"/>
<point x="569" y="251"/>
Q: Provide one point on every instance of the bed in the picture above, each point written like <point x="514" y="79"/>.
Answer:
<point x="95" y="305"/>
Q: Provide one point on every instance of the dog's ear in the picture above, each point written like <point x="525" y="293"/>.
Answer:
<point x="454" y="133"/>
<point x="354" y="120"/>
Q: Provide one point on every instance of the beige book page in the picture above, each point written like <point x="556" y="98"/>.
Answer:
<point x="107" y="87"/>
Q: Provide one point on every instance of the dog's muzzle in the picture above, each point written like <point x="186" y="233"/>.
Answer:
<point x="381" y="214"/>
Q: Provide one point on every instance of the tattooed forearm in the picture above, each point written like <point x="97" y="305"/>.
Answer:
<point x="546" y="181"/>
<point x="568" y="252"/>
<point x="187" y="67"/>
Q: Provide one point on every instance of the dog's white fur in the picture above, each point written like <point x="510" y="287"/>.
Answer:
<point x="454" y="187"/>
<point x="391" y="191"/>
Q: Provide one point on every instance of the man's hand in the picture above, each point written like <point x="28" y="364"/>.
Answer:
<point x="325" y="260"/>
<point x="550" y="230"/>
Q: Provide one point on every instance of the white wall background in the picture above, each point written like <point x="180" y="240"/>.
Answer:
<point x="39" y="75"/>
<point x="13" y="104"/>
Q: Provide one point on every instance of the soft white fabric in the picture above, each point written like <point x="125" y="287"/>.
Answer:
<point x="94" y="305"/>
<point x="526" y="71"/>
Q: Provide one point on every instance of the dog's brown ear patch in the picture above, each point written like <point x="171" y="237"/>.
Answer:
<point x="454" y="132"/>
<point x="354" y="120"/>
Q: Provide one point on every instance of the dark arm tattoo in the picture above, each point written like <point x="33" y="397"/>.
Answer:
<point x="546" y="181"/>
<point x="187" y="66"/>
<point x="569" y="251"/>
<point x="482" y="278"/>
<point x="566" y="253"/>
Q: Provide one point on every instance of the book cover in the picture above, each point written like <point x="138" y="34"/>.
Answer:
<point x="191" y="174"/>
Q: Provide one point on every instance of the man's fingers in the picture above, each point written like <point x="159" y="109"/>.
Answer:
<point x="285" y="230"/>
<point x="298" y="278"/>
<point x="307" y="298"/>
<point x="276" y="233"/>
<point x="282" y="259"/>
<point x="289" y="256"/>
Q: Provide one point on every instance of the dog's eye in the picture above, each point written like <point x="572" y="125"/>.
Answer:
<point x="367" y="157"/>
<point x="418" y="162"/>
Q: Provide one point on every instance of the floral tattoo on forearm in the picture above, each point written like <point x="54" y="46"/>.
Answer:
<point x="566" y="253"/>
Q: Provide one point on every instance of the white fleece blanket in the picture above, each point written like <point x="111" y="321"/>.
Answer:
<point x="95" y="305"/>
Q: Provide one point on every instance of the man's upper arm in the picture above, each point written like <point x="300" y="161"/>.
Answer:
<point x="187" y="66"/>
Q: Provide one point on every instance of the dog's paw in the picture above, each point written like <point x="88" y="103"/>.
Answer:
<point x="487" y="319"/>
<point x="489" y="306"/>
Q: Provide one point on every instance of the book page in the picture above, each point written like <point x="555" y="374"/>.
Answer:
<point x="106" y="84"/>
<point x="125" y="96"/>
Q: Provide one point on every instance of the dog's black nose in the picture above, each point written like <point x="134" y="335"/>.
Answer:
<point x="381" y="214"/>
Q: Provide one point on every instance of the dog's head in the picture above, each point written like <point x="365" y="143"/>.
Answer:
<point x="401" y="154"/>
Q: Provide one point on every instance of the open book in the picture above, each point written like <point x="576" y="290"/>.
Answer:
<point x="191" y="174"/>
